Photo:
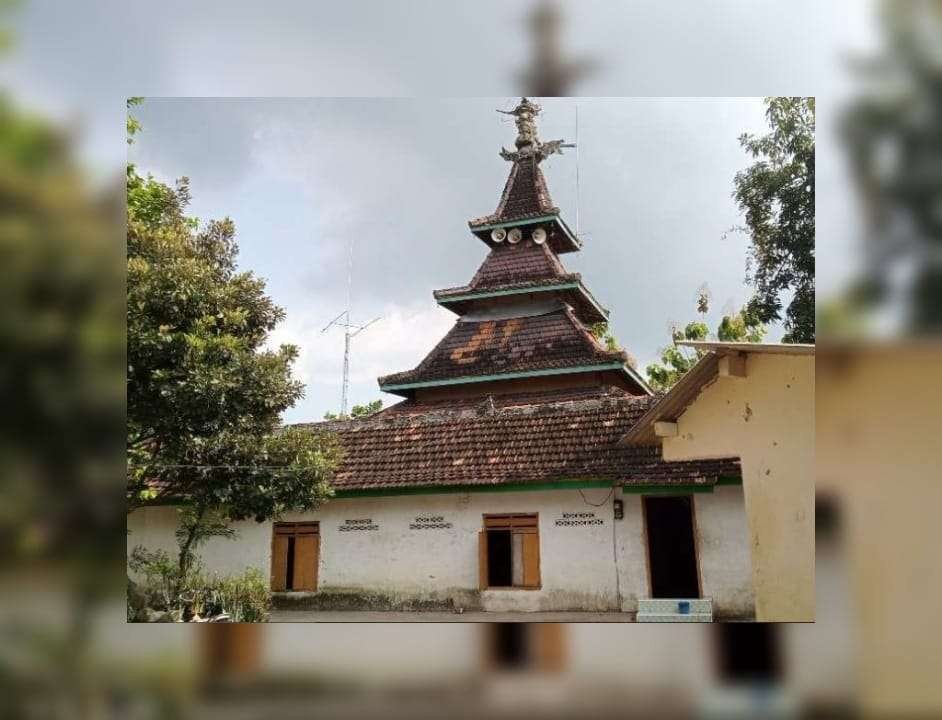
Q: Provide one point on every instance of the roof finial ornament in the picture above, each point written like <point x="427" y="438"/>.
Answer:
<point x="528" y="142"/>
<point x="551" y="73"/>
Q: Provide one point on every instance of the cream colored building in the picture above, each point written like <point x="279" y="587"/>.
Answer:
<point x="878" y="462"/>
<point x="754" y="401"/>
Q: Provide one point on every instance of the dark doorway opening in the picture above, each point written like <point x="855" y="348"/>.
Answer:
<point x="510" y="644"/>
<point x="289" y="571"/>
<point x="672" y="553"/>
<point x="749" y="653"/>
<point x="499" y="564"/>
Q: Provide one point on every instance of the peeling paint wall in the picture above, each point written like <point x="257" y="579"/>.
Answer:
<point x="767" y="419"/>
<point x="723" y="552"/>
<point x="632" y="554"/>
<point x="578" y="543"/>
<point x="154" y="529"/>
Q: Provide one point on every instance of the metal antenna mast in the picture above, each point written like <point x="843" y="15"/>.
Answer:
<point x="578" y="228"/>
<point x="350" y="330"/>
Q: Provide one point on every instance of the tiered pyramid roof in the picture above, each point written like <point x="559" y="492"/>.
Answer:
<point x="522" y="315"/>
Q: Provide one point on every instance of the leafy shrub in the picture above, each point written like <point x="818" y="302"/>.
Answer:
<point x="162" y="587"/>
<point x="245" y="597"/>
<point x="160" y="580"/>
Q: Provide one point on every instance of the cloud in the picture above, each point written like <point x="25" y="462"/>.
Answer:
<point x="398" y="341"/>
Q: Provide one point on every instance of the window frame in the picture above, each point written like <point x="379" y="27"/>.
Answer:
<point x="524" y="524"/>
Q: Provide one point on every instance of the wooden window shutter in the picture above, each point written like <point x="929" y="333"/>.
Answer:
<point x="531" y="559"/>
<point x="482" y="559"/>
<point x="279" y="562"/>
<point x="305" y="561"/>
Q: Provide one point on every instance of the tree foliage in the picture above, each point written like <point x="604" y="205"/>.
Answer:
<point x="776" y="193"/>
<point x="602" y="332"/>
<point x="204" y="391"/>
<point x="133" y="124"/>
<point x="62" y="340"/>
<point x="358" y="411"/>
<point x="893" y="133"/>
<point x="676" y="361"/>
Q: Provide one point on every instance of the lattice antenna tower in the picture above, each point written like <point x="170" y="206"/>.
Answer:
<point x="350" y="330"/>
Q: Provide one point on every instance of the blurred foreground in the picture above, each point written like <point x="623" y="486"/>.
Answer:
<point x="65" y="650"/>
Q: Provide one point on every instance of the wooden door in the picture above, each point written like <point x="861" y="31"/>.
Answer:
<point x="279" y="562"/>
<point x="306" y="556"/>
<point x="531" y="558"/>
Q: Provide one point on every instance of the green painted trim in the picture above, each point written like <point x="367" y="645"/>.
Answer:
<point x="569" y="232"/>
<point x="452" y="489"/>
<point x="505" y="376"/>
<point x="638" y="379"/>
<point x="500" y="293"/>
<point x="514" y="223"/>
<point x="481" y="295"/>
<point x="666" y="489"/>
<point x="511" y="487"/>
<point x="729" y="480"/>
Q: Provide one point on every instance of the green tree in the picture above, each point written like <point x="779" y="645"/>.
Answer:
<point x="676" y="361"/>
<point x="204" y="393"/>
<point x="776" y="193"/>
<point x="892" y="130"/>
<point x="62" y="347"/>
<point x="133" y="124"/>
<point x="358" y="411"/>
<point x="602" y="332"/>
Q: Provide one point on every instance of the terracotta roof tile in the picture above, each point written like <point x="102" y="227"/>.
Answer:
<point x="539" y="442"/>
<point x="491" y="347"/>
<point x="519" y="268"/>
<point x="519" y="399"/>
<point x="508" y="264"/>
<point x="525" y="195"/>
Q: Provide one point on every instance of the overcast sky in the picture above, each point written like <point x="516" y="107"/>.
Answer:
<point x="303" y="179"/>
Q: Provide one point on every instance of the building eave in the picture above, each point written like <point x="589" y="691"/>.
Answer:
<point x="445" y="300"/>
<point x="567" y="484"/>
<point x="750" y="348"/>
<point x="675" y="402"/>
<point x="670" y="407"/>
<point x="401" y="388"/>
<point x="572" y="243"/>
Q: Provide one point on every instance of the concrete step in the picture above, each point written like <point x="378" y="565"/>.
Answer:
<point x="675" y="610"/>
<point x="674" y="617"/>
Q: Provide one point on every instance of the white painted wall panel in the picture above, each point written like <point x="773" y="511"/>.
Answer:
<point x="577" y="556"/>
<point x="723" y="545"/>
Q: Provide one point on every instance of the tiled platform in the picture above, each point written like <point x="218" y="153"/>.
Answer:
<point x="675" y="610"/>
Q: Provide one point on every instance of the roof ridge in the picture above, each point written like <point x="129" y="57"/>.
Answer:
<point x="484" y="410"/>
